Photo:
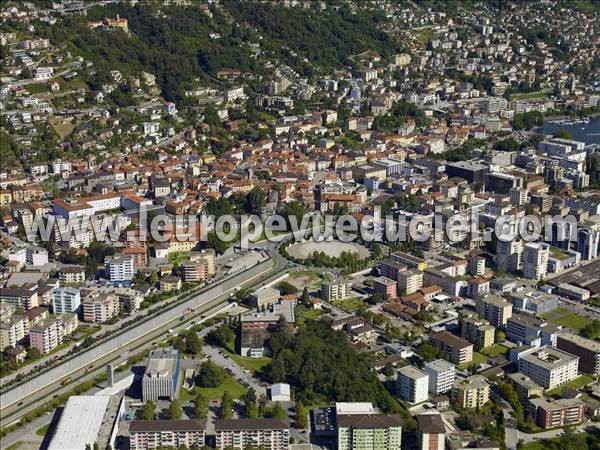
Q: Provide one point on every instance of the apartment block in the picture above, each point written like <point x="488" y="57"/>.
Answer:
<point x="587" y="350"/>
<point x="119" y="269"/>
<point x="525" y="386"/>
<point x="535" y="260"/>
<point x="270" y="434"/>
<point x="441" y="376"/>
<point x="385" y="286"/>
<point x="25" y="296"/>
<point x="412" y="384"/>
<point x="431" y="432"/>
<point x="476" y="330"/>
<point x="335" y="290"/>
<point x="13" y="330"/>
<point x="459" y="350"/>
<point x="65" y="300"/>
<point x="471" y="392"/>
<point x="549" y="367"/>
<point x="194" y="271"/>
<point x="100" y="307"/>
<point x="496" y="310"/>
<point x="410" y="281"/>
<point x="367" y="432"/>
<point x="151" y="434"/>
<point x="557" y="413"/>
<point x="45" y="336"/>
<point x="529" y="330"/>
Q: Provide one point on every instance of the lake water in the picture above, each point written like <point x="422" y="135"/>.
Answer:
<point x="585" y="132"/>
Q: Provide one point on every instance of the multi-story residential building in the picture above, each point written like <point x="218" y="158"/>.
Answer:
<point x="496" y="310"/>
<point x="366" y="432"/>
<point x="476" y="265"/>
<point x="270" y="434"/>
<point x="194" y="271"/>
<point x="535" y="260"/>
<point x="391" y="269"/>
<point x="138" y="253"/>
<point x="385" y="286"/>
<point x="471" y="392"/>
<point x="588" y="241"/>
<point x="525" y="386"/>
<point x="431" y="432"/>
<point x="71" y="274"/>
<point x="587" y="350"/>
<point x="476" y="330"/>
<point x="25" y="296"/>
<point x="441" y="376"/>
<point x="119" y="269"/>
<point x="161" y="375"/>
<point x="152" y="434"/>
<point x="549" y="367"/>
<point x="412" y="384"/>
<point x="65" y="300"/>
<point x="459" y="350"/>
<point x="529" y="330"/>
<point x="100" y="307"/>
<point x="509" y="255"/>
<point x="335" y="290"/>
<point x="13" y="330"/>
<point x="557" y="413"/>
<point x="410" y="281"/>
<point x="45" y="335"/>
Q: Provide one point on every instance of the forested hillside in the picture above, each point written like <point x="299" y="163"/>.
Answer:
<point x="178" y="48"/>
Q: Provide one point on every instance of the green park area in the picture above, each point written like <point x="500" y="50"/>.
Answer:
<point x="575" y="384"/>
<point x="494" y="350"/>
<point x="565" y="318"/>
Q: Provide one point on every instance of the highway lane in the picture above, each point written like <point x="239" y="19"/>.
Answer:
<point x="114" y="344"/>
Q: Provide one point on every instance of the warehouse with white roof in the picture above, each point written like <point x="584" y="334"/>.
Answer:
<point x="87" y="419"/>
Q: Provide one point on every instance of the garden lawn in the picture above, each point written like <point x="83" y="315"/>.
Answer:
<point x="349" y="304"/>
<point x="478" y="358"/>
<point x="578" y="382"/>
<point x="494" y="350"/>
<point x="230" y="385"/>
<point x="568" y="319"/>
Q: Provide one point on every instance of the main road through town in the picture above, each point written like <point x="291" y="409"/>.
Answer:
<point x="18" y="400"/>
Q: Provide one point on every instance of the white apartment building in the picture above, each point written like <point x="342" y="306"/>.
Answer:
<point x="65" y="300"/>
<point x="441" y="376"/>
<point x="335" y="290"/>
<point x="535" y="260"/>
<point x="549" y="367"/>
<point x="119" y="269"/>
<point x="44" y="73"/>
<point x="412" y="384"/>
